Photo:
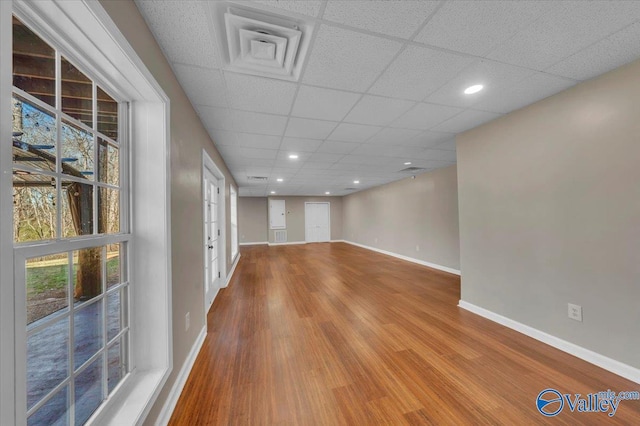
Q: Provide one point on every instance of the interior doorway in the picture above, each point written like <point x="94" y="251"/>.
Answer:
<point x="317" y="220"/>
<point x="213" y="229"/>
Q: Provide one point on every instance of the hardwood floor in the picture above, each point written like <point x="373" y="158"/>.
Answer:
<point x="332" y="334"/>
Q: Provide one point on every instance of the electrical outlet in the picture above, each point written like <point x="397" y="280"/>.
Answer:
<point x="575" y="312"/>
<point x="417" y="248"/>
<point x="187" y="321"/>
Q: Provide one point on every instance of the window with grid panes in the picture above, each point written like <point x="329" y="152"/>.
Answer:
<point x="71" y="232"/>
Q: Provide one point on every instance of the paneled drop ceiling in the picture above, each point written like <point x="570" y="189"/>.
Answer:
<point x="382" y="84"/>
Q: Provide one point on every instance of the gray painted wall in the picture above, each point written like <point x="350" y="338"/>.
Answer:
<point x="550" y="214"/>
<point x="295" y="216"/>
<point x="401" y="215"/>
<point x="188" y="139"/>
<point x="252" y="219"/>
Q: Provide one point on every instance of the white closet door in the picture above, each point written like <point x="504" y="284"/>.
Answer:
<point x="317" y="222"/>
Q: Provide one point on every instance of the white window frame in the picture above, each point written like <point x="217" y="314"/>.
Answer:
<point x="233" y="196"/>
<point x="88" y="36"/>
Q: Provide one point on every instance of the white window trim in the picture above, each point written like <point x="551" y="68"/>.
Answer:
<point x="84" y="31"/>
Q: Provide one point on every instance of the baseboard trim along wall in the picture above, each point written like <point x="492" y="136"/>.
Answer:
<point x="181" y="380"/>
<point x="261" y="243"/>
<point x="288" y="243"/>
<point x="407" y="258"/>
<point x="616" y="367"/>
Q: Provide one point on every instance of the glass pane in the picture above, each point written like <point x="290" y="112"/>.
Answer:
<point x="107" y="115"/>
<point x="77" y="151"/>
<point x="108" y="163"/>
<point x="47" y="360"/>
<point x="47" y="286"/>
<point x="88" y="391"/>
<point x="114" y="275"/>
<point x="54" y="412"/>
<point x="114" y="309"/>
<point x="34" y="136"/>
<point x="34" y="207"/>
<point x="87" y="323"/>
<point x="34" y="66"/>
<point x="87" y="273"/>
<point x="77" y="209"/>
<point x="77" y="93"/>
<point x="108" y="211"/>
<point x="116" y="365"/>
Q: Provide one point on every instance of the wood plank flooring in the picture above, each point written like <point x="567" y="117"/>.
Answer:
<point x="332" y="334"/>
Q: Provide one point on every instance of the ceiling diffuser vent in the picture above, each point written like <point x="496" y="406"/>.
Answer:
<point x="257" y="178"/>
<point x="261" y="43"/>
<point x="350" y="189"/>
<point x="413" y="170"/>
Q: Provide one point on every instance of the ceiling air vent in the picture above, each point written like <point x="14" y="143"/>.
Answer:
<point x="350" y="189"/>
<point x="257" y="178"/>
<point x="261" y="43"/>
<point x="413" y="170"/>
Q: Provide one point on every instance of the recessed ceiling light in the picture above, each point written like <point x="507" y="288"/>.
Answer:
<point x="407" y="163"/>
<point x="279" y="179"/>
<point x="293" y="156"/>
<point x="273" y="192"/>
<point x="473" y="89"/>
<point x="327" y="193"/>
<point x="356" y="181"/>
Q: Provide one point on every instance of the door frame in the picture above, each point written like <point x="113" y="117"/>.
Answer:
<point x="211" y="167"/>
<point x="328" y="203"/>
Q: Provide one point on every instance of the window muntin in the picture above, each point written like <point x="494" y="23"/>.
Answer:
<point x="70" y="232"/>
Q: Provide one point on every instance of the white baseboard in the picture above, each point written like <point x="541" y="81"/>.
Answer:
<point x="407" y="258"/>
<point x="259" y="243"/>
<point x="616" y="367"/>
<point x="288" y="243"/>
<point x="233" y="269"/>
<point x="181" y="380"/>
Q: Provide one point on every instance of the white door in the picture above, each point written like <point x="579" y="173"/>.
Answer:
<point x="317" y="222"/>
<point x="211" y="238"/>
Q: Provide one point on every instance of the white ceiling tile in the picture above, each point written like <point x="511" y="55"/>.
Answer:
<point x="215" y="117"/>
<point x="194" y="43"/>
<point x="223" y="137"/>
<point x="344" y="59"/>
<point x="437" y="154"/>
<point x="255" y="122"/>
<point x="399" y="18"/>
<point x="387" y="150"/>
<point x="612" y="52"/>
<point x="466" y="120"/>
<point x="424" y="116"/>
<point x="449" y="145"/>
<point x="376" y="110"/>
<point x="306" y="7"/>
<point x="475" y="27"/>
<point x="257" y="153"/>
<point x="203" y="86"/>
<point x="417" y="72"/>
<point x="428" y="139"/>
<point x="325" y="157"/>
<point x="393" y="136"/>
<point x="323" y="104"/>
<point x="527" y="91"/>
<point x="347" y="132"/>
<point x="259" y="94"/>
<point x="307" y="128"/>
<point x="336" y="147"/>
<point x="566" y="28"/>
<point x="300" y="144"/>
<point x="252" y="140"/>
<point x="313" y="165"/>
<point x="490" y="74"/>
